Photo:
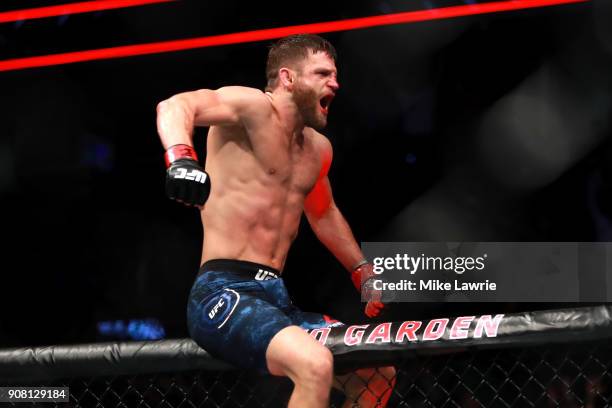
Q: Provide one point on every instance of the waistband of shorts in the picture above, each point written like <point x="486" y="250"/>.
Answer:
<point x="246" y="269"/>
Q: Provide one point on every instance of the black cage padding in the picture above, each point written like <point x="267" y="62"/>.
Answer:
<point x="31" y="364"/>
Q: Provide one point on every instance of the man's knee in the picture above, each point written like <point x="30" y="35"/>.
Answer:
<point x="295" y="354"/>
<point x="318" y="366"/>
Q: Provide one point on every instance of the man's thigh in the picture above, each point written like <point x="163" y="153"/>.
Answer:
<point x="236" y="325"/>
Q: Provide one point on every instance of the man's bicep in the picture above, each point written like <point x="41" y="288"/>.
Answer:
<point x="319" y="200"/>
<point x="224" y="106"/>
<point x="213" y="108"/>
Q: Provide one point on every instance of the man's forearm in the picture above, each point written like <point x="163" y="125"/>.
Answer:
<point x="175" y="122"/>
<point x="334" y="232"/>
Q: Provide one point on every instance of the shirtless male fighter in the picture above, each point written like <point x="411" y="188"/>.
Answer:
<point x="268" y="164"/>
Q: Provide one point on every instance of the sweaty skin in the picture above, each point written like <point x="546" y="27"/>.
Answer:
<point x="260" y="180"/>
<point x="267" y="165"/>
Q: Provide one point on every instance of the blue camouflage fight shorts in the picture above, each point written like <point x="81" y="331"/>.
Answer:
<point x="236" y="307"/>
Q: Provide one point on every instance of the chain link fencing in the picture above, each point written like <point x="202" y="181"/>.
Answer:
<point x="551" y="358"/>
<point x="569" y="375"/>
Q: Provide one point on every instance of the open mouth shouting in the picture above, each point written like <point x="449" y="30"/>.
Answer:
<point x="325" y="101"/>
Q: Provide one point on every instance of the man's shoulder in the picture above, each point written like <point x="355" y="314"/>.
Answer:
<point x="249" y="102"/>
<point x="244" y="92"/>
<point x="319" y="139"/>
<point x="237" y="89"/>
<point x="324" y="148"/>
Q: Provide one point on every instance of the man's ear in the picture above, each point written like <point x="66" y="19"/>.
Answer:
<point x="287" y="78"/>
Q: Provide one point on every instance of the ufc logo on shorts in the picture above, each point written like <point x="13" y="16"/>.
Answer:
<point x="264" y="275"/>
<point x="215" y="308"/>
<point x="197" y="175"/>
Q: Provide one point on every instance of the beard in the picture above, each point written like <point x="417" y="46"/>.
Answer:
<point x="307" y="102"/>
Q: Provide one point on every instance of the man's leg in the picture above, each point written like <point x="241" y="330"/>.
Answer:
<point x="293" y="353"/>
<point x="367" y="387"/>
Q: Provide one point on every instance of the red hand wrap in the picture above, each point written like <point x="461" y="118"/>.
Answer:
<point x="179" y="151"/>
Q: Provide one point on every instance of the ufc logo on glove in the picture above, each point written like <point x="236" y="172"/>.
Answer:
<point x="196" y="175"/>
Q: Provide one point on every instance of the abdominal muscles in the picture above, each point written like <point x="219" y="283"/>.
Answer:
<point x="254" y="219"/>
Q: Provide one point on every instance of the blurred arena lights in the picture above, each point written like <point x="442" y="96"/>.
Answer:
<point x="72" y="8"/>
<point x="272" y="33"/>
<point x="135" y="329"/>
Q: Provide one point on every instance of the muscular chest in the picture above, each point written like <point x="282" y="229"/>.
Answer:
<point x="295" y="164"/>
<point x="304" y="170"/>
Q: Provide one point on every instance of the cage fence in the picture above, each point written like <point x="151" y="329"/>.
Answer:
<point x="524" y="364"/>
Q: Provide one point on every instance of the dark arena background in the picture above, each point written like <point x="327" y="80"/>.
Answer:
<point x="456" y="121"/>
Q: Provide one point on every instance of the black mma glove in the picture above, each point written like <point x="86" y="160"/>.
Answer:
<point x="186" y="181"/>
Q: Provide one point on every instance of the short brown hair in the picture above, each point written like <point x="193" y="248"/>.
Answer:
<point x="292" y="49"/>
